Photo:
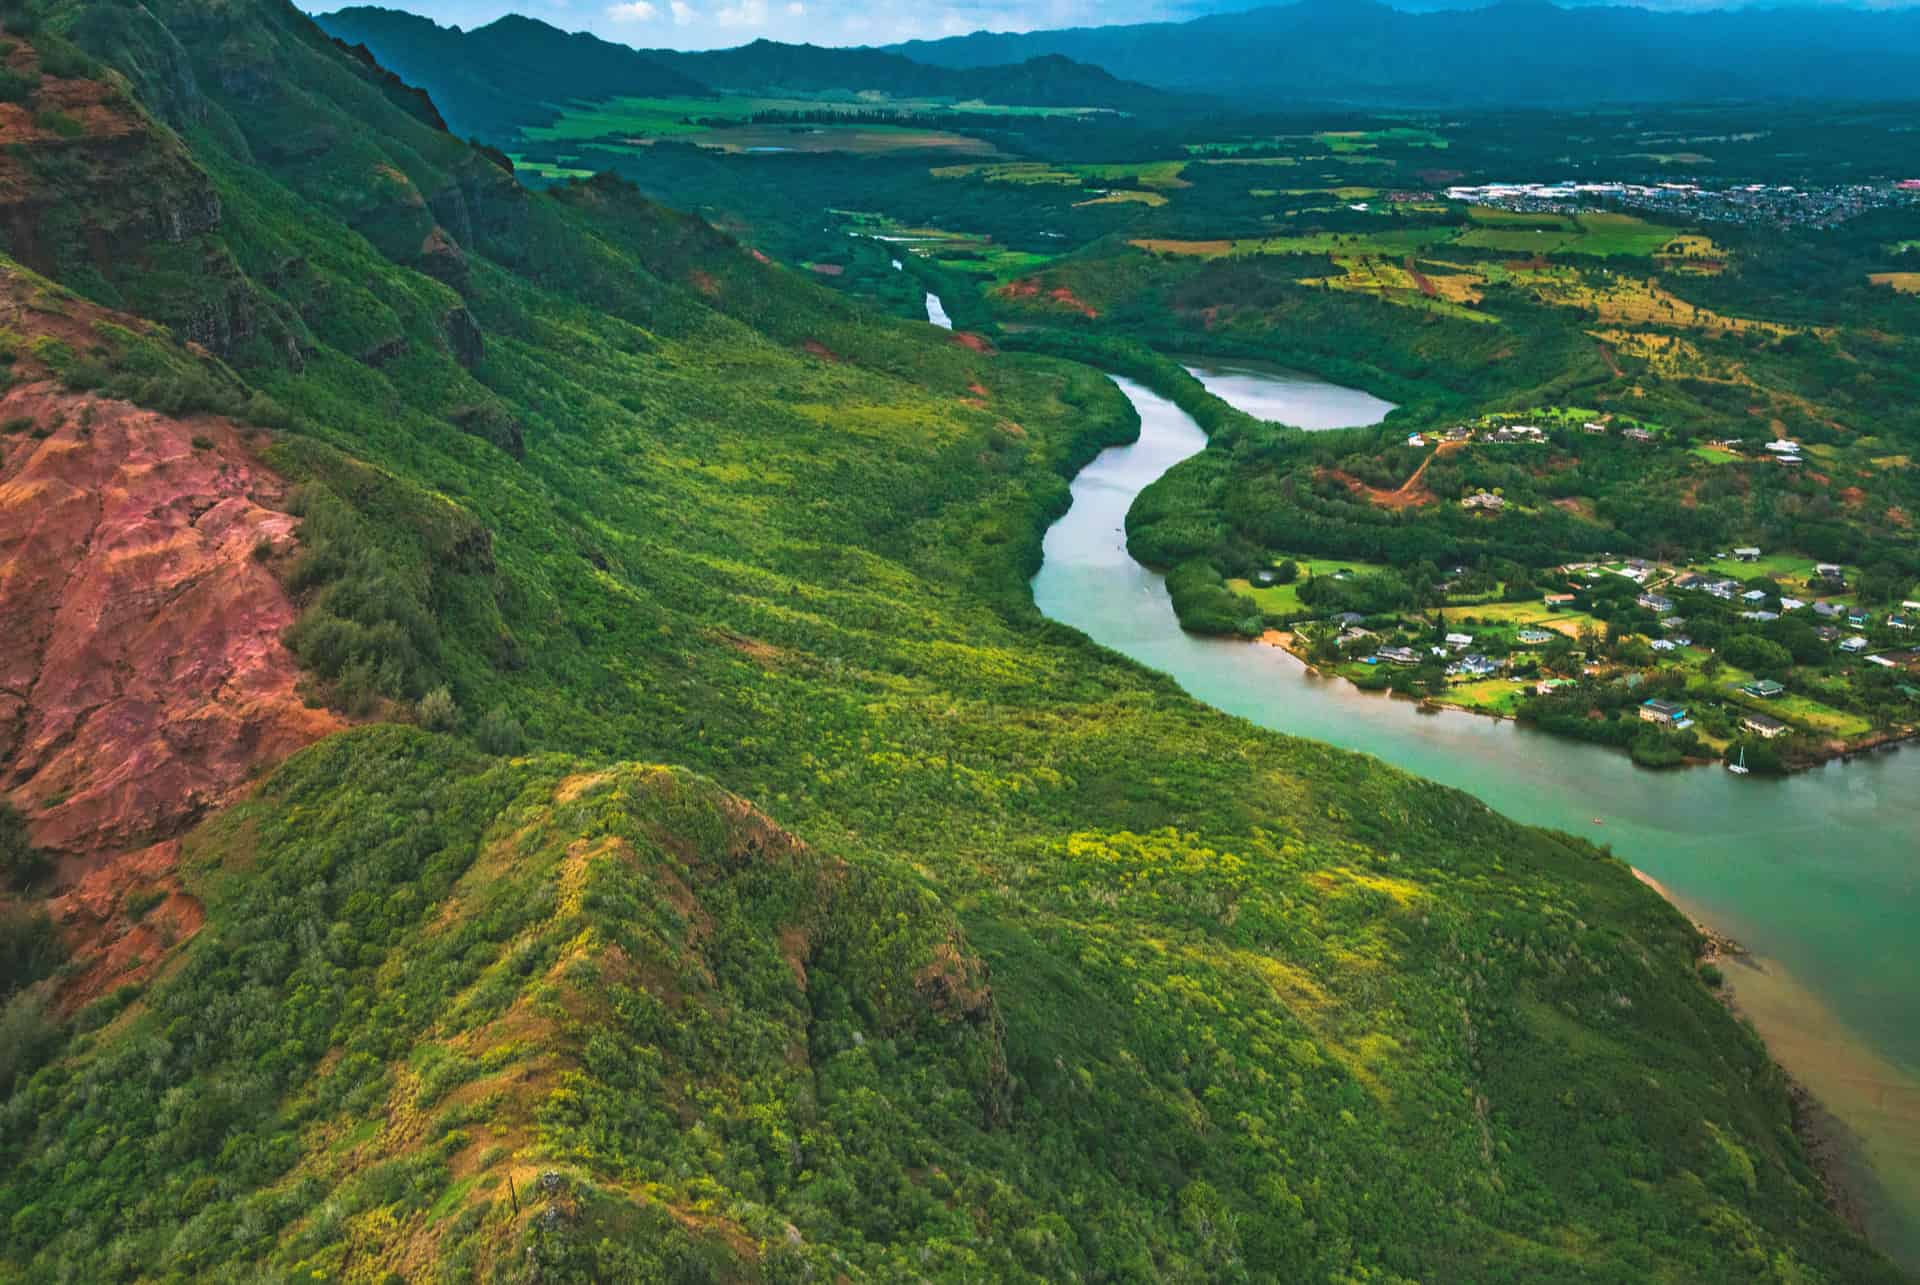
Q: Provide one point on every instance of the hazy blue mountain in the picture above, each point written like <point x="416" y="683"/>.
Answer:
<point x="1521" y="52"/>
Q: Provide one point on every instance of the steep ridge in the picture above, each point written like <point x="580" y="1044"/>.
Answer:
<point x="1072" y="978"/>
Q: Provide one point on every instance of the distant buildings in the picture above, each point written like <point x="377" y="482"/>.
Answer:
<point x="1483" y="502"/>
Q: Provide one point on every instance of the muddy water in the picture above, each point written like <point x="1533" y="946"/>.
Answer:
<point x="1818" y="874"/>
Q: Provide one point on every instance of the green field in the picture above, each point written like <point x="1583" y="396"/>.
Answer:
<point x="1784" y="567"/>
<point x="1284" y="600"/>
<point x="1522" y="614"/>
<point x="1598" y="234"/>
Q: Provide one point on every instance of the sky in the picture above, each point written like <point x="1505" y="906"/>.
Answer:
<point x="720" y="24"/>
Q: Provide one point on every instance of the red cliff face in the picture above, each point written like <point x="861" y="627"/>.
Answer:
<point x="142" y="676"/>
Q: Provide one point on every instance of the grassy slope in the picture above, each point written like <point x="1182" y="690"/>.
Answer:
<point x="1260" y="1009"/>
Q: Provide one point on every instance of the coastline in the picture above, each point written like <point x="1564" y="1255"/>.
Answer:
<point x="1880" y="741"/>
<point x="1818" y="1057"/>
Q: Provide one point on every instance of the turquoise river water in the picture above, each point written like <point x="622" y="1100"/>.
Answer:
<point x="1817" y="874"/>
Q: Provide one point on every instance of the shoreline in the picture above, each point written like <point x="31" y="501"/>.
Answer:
<point x="1839" y="1156"/>
<point x="1877" y="743"/>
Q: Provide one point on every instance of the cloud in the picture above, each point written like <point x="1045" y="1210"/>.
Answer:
<point x="632" y="11"/>
<point x="683" y="14"/>
<point x="748" y="13"/>
<point x="796" y="10"/>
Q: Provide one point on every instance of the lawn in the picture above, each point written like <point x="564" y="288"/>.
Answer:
<point x="1487" y="695"/>
<point x="1784" y="567"/>
<point x="1804" y="711"/>
<point x="1713" y="454"/>
<point x="1519" y="615"/>
<point x="1284" y="600"/>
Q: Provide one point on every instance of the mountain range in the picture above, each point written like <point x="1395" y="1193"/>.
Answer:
<point x="492" y="80"/>
<point x="1516" y="53"/>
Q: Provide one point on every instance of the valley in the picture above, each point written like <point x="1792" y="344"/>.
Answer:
<point x="634" y="664"/>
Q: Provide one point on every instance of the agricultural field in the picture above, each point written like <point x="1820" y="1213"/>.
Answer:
<point x="1904" y="282"/>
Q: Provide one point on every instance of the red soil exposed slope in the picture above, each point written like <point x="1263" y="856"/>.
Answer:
<point x="142" y="676"/>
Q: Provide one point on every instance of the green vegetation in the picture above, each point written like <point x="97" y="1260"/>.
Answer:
<point x="1070" y="977"/>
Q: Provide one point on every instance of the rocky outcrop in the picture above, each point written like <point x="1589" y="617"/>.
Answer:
<point x="142" y="674"/>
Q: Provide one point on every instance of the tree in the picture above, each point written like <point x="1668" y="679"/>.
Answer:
<point x="438" y="713"/>
<point x="1287" y="572"/>
<point x="21" y="864"/>
<point x="500" y="732"/>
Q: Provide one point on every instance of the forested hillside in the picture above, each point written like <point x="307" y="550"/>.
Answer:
<point x="944" y="947"/>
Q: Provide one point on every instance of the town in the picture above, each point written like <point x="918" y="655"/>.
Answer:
<point x="1754" y="203"/>
<point x="1771" y="657"/>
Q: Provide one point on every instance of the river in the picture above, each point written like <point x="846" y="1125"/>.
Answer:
<point x="1818" y="874"/>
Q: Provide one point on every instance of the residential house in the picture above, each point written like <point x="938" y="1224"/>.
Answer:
<point x="1791" y="604"/>
<point x="1764" y="725"/>
<point x="1855" y="645"/>
<point x="1664" y="645"/>
<point x="1900" y="622"/>
<point x="1859" y="619"/>
<point x="1830" y="610"/>
<point x="1484" y="502"/>
<point x="1671" y="623"/>
<point x="1350" y="618"/>
<point x="1829" y="571"/>
<point x="1559" y="599"/>
<point x="1764" y="689"/>
<point x="1755" y="595"/>
<point x="1534" y="637"/>
<point x="1690" y="582"/>
<point x="1637" y="435"/>
<point x="1398" y="655"/>
<point x="1724" y="589"/>
<point x="1747" y="554"/>
<point x="1415" y="439"/>
<point x="1762" y="616"/>
<point x="1783" y="446"/>
<point x="1459" y="642"/>
<point x="1666" y="713"/>
<point x="1655" y="603"/>
<point x="1825" y="633"/>
<point x="1595" y="426"/>
<point x="1474" y="666"/>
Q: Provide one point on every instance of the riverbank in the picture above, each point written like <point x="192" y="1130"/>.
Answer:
<point x="1815" y="872"/>
<point x="1759" y="993"/>
<point x="1803" y="760"/>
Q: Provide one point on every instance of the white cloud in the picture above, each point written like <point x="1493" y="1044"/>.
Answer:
<point x="632" y="11"/>
<point x="748" y="13"/>
<point x="683" y="14"/>
<point x="796" y="10"/>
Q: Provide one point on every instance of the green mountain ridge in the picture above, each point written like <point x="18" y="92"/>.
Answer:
<point x="496" y="79"/>
<point x="1064" y="975"/>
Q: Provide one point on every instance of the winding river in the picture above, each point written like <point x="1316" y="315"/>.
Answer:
<point x="1818" y="874"/>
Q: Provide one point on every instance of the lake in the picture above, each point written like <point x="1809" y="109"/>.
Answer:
<point x="1818" y="874"/>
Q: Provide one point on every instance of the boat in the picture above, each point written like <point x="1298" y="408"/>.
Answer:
<point x="1740" y="768"/>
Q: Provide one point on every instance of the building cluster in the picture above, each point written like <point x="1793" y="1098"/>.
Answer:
<point x="1751" y="203"/>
